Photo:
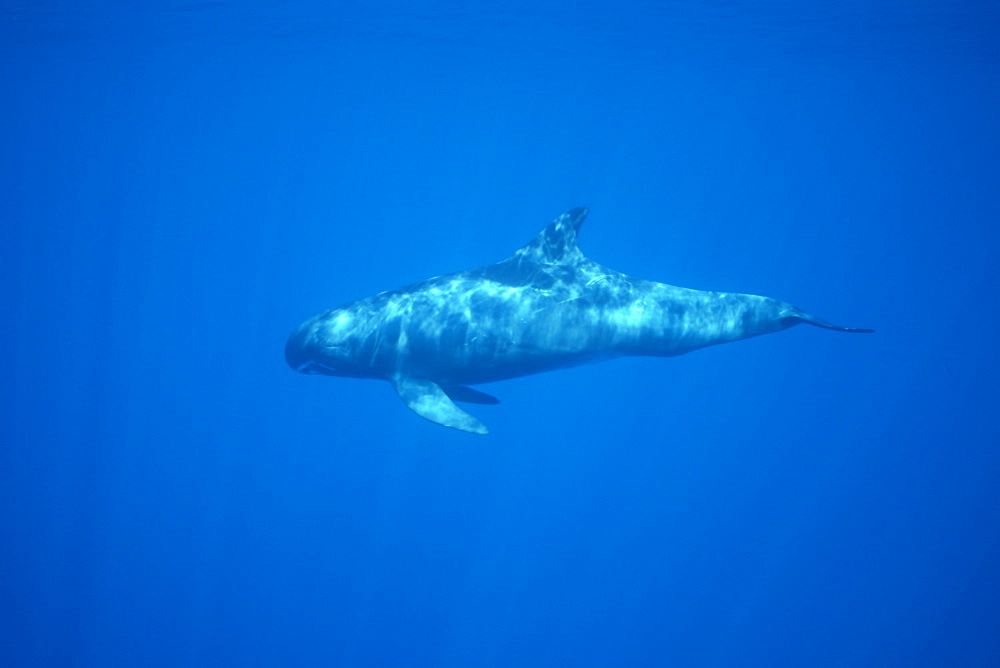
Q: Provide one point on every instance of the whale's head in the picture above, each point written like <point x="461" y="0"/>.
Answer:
<point x="327" y="344"/>
<point x="300" y="349"/>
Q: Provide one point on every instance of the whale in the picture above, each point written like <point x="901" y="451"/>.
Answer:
<point x="545" y="307"/>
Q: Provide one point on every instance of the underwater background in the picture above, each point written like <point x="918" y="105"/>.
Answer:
<point x="184" y="183"/>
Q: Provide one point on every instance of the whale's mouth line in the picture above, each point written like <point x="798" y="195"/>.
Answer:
<point x="312" y="367"/>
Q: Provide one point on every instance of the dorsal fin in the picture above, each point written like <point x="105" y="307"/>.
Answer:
<point x="556" y="244"/>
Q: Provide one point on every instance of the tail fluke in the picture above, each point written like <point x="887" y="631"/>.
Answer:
<point x="802" y="316"/>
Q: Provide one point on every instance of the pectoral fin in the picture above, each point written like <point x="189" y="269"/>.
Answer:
<point x="468" y="395"/>
<point x="428" y="400"/>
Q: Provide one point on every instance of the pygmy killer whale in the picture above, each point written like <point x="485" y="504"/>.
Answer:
<point x="545" y="307"/>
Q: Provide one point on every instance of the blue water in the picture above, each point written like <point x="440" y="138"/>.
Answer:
<point x="183" y="184"/>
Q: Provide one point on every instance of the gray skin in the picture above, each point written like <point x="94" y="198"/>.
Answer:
<point x="546" y="307"/>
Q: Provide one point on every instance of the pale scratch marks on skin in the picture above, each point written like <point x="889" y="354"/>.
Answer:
<point x="597" y="279"/>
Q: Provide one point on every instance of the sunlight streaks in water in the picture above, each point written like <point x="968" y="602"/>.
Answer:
<point x="926" y="32"/>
